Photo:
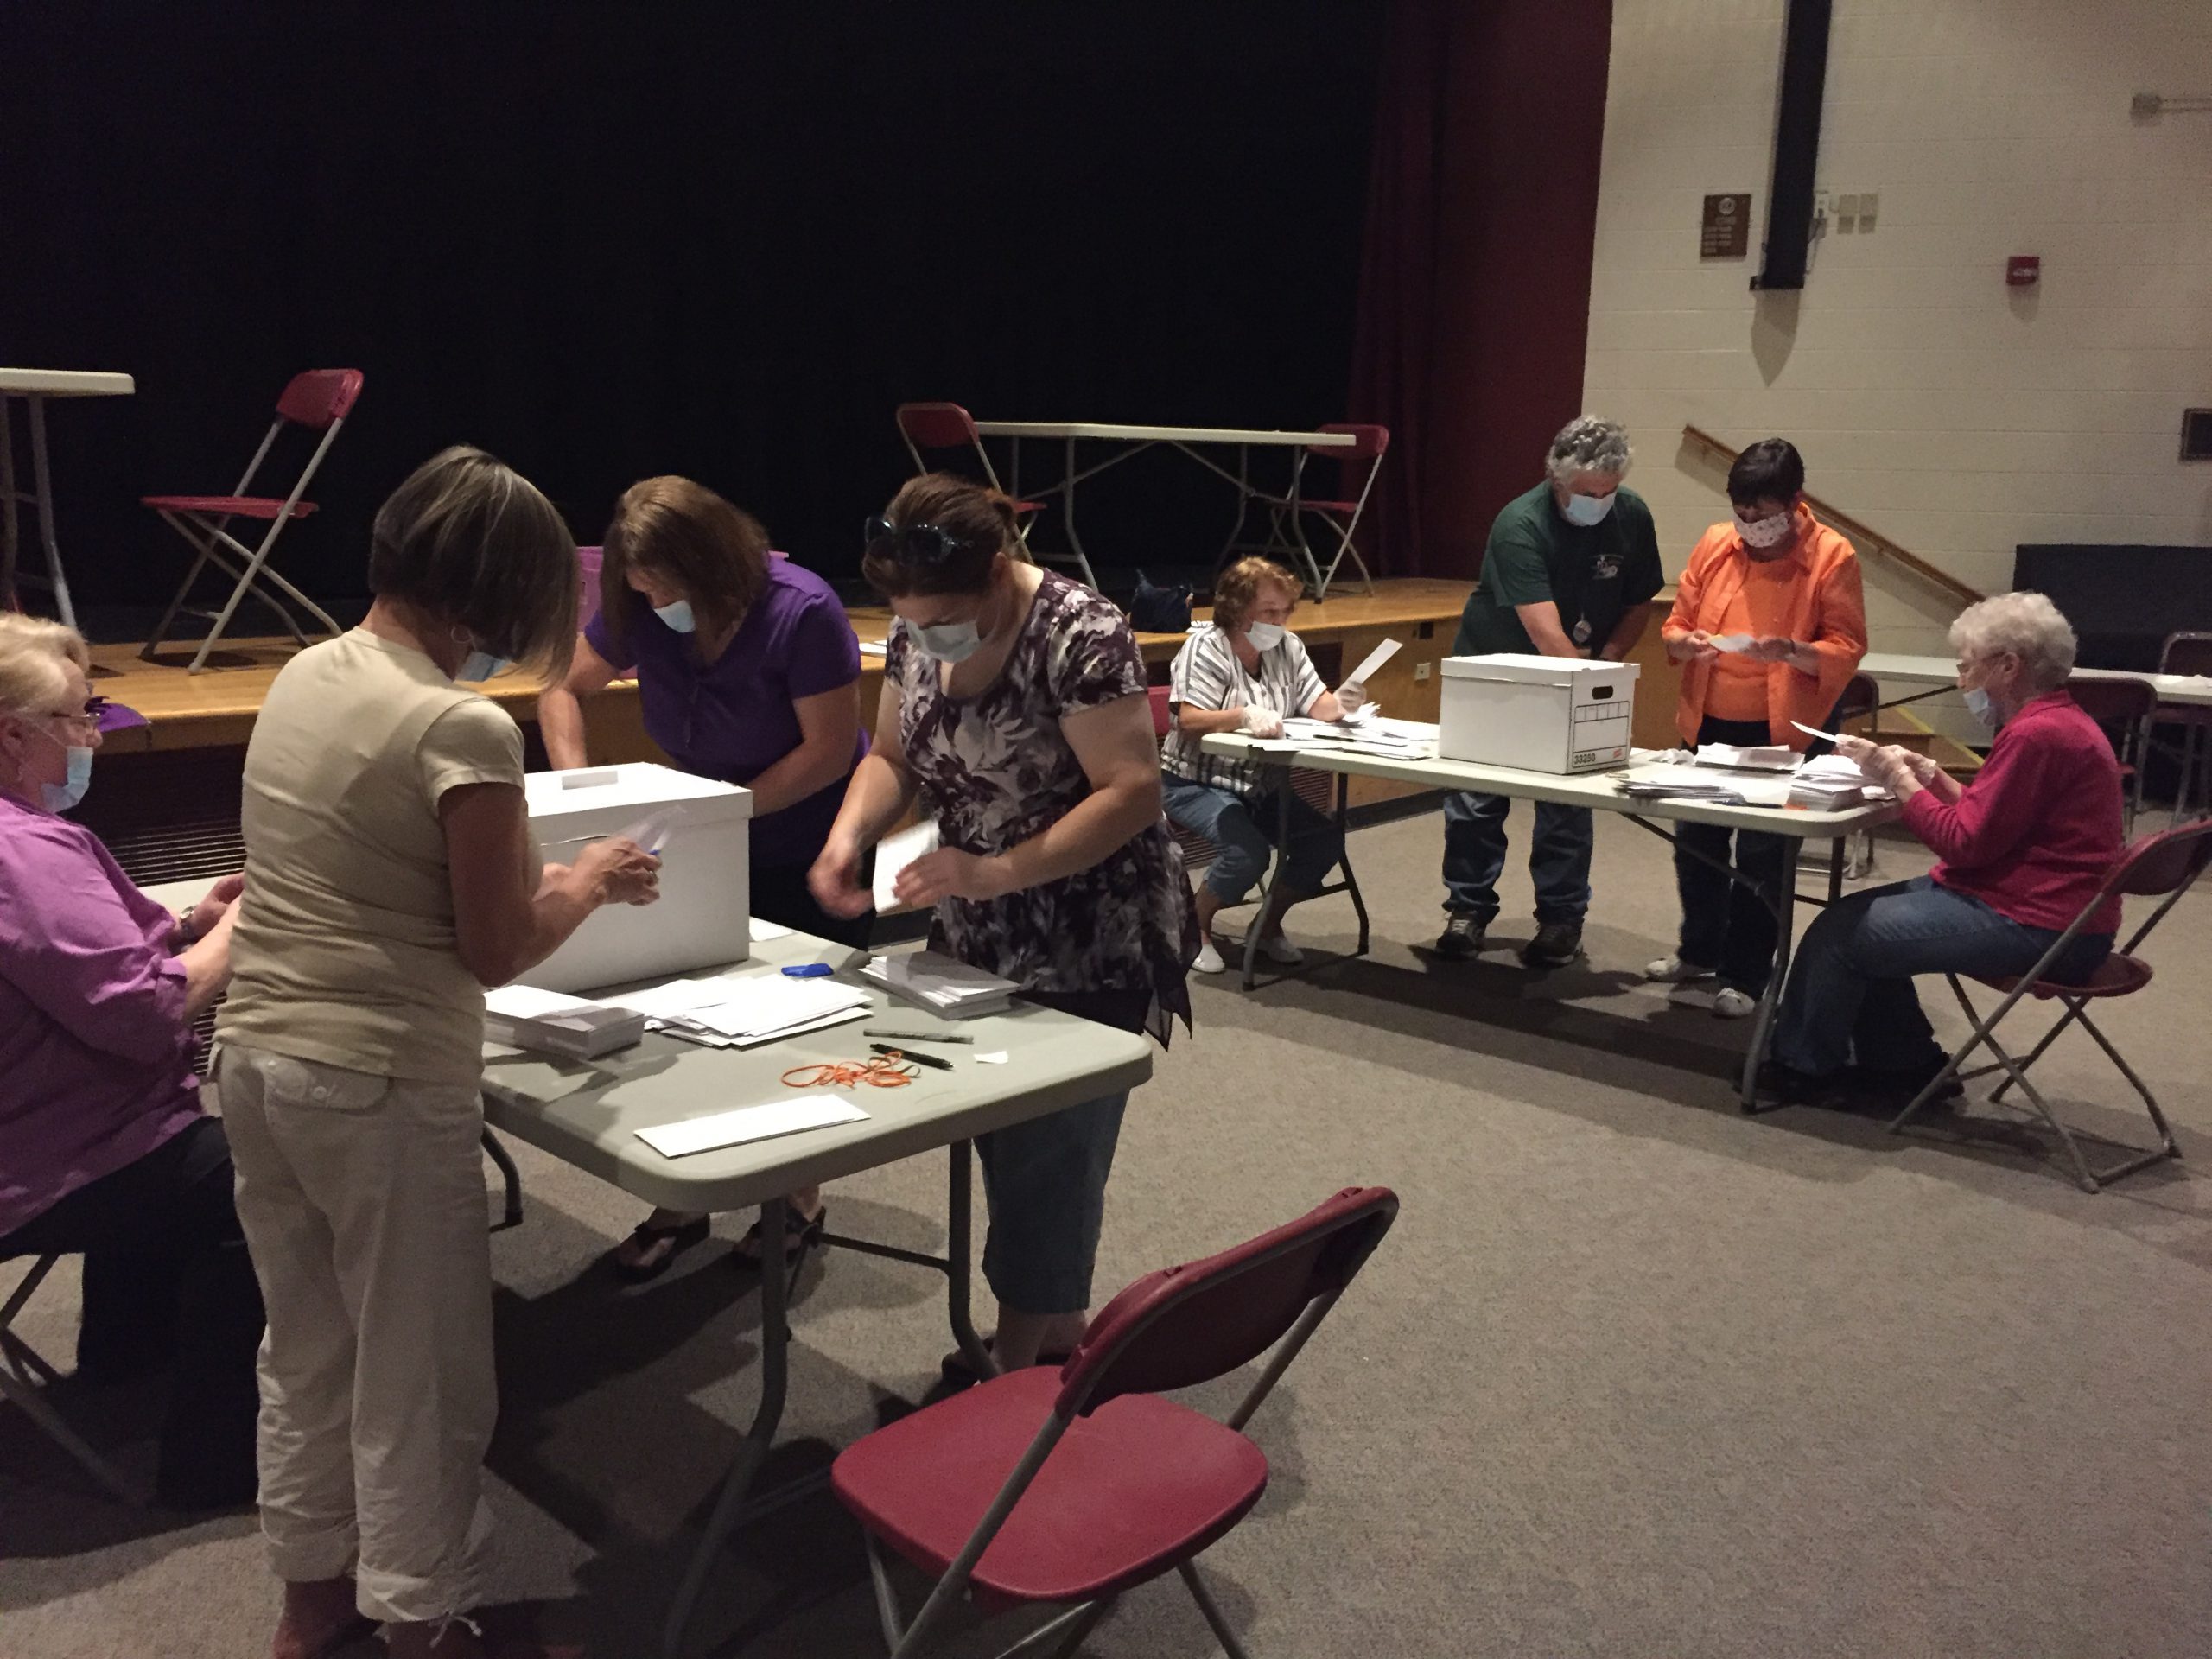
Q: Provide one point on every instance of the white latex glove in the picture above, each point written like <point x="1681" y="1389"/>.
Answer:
<point x="1351" y="696"/>
<point x="1260" y="721"/>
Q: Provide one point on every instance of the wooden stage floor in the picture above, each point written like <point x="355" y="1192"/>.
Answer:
<point x="215" y="709"/>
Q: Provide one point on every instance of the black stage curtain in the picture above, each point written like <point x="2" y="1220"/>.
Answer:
<point x="606" y="241"/>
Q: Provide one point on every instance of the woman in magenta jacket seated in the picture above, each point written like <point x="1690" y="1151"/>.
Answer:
<point x="2022" y="849"/>
<point x="103" y="1149"/>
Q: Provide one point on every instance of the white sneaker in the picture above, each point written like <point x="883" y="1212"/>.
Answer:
<point x="1673" y="971"/>
<point x="1282" y="950"/>
<point x="1209" y="959"/>
<point x="1729" y="1003"/>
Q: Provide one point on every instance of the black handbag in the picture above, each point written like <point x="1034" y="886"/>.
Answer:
<point x="1155" y="609"/>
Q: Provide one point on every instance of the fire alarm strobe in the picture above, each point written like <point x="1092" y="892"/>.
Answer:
<point x="2022" y="270"/>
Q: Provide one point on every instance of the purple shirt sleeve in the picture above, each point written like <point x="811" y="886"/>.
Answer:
<point x="81" y="952"/>
<point x="823" y="652"/>
<point x="599" y="637"/>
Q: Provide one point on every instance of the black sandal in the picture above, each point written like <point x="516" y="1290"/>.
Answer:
<point x="956" y="1369"/>
<point x="679" y="1239"/>
<point x="800" y="1232"/>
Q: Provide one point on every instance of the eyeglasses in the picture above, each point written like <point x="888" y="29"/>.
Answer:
<point x="926" y="545"/>
<point x="88" y="715"/>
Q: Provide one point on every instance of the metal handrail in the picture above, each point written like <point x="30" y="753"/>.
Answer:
<point x="1868" y="540"/>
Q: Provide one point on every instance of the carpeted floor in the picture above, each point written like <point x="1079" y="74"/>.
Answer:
<point x="1635" y="1376"/>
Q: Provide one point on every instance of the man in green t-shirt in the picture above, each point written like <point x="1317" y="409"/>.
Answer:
<point x="1569" y="570"/>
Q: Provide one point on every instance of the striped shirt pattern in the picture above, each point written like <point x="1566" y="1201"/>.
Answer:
<point x="1206" y="674"/>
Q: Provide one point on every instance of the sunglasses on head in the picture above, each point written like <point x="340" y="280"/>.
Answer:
<point x="923" y="545"/>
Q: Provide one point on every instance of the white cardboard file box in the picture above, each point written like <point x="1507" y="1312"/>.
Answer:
<point x="702" y="917"/>
<point x="1540" y="714"/>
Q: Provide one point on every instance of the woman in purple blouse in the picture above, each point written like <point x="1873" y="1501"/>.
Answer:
<point x="746" y="668"/>
<point x="104" y="1148"/>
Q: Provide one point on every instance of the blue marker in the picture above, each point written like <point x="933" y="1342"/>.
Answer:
<point x="811" y="970"/>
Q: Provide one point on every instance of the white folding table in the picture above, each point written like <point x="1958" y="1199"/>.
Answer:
<point x="1129" y="441"/>
<point x="1597" y="790"/>
<point x="588" y="1113"/>
<point x="1939" y="674"/>
<point x="35" y="386"/>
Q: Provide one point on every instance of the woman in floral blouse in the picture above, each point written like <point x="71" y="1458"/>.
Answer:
<point x="1015" y="704"/>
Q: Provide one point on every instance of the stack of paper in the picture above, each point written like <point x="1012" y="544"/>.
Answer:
<point x="951" y="989"/>
<point x="1832" y="783"/>
<point x="744" y="1010"/>
<point x="1759" y="757"/>
<point x="1401" y="739"/>
<point x="522" y="1016"/>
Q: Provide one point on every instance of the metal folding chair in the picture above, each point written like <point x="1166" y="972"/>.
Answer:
<point x="318" y="400"/>
<point x="2125" y="709"/>
<point x="1075" y="1485"/>
<point x="1357" y="466"/>
<point x="25" y="1377"/>
<point x="947" y="428"/>
<point x="2189" y="652"/>
<point x="2165" y="867"/>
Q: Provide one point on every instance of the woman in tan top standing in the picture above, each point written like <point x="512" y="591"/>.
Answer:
<point x="390" y="878"/>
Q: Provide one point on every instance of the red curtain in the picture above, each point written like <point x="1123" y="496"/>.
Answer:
<point x="1474" y="291"/>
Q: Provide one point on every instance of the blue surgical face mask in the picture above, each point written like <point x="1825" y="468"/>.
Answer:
<point x="59" y="798"/>
<point x="481" y="664"/>
<point x="1586" y="510"/>
<point x="1265" y="636"/>
<point x="1978" y="705"/>
<point x="677" y="616"/>
<point x="948" y="642"/>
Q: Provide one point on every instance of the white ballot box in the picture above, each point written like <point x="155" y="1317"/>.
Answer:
<point x="1540" y="714"/>
<point x="698" y="826"/>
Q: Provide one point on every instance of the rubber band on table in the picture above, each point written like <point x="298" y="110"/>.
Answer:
<point x="889" y="1070"/>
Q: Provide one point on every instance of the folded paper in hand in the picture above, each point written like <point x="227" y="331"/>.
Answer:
<point x="895" y="853"/>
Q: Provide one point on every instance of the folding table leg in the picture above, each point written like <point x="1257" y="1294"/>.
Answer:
<point x="1351" y="881"/>
<point x="8" y="544"/>
<point x="42" y="481"/>
<point x="1275" y="877"/>
<point x="959" y="1233"/>
<point x="511" y="1215"/>
<point x="1075" y="541"/>
<point x="1784" y="903"/>
<point x="775" y="1344"/>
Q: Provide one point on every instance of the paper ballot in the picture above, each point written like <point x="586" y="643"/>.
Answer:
<point x="1373" y="662"/>
<point x="750" y="1123"/>
<point x="895" y="853"/>
<point x="1730" y="642"/>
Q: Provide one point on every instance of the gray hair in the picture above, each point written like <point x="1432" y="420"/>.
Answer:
<point x="35" y="655"/>
<point x="1587" y="444"/>
<point x="2027" y="625"/>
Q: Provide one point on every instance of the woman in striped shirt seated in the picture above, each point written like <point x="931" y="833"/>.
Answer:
<point x="1246" y="671"/>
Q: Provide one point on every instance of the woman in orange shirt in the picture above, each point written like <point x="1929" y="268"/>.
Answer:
<point x="1769" y="624"/>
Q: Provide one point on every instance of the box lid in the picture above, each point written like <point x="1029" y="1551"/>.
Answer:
<point x="1532" y="668"/>
<point x="634" y="786"/>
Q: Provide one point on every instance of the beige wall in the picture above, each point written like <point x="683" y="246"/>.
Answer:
<point x="1931" y="402"/>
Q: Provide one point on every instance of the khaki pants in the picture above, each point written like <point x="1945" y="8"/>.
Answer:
<point x="362" y="1199"/>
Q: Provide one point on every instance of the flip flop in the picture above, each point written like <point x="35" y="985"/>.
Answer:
<point x="800" y="1232"/>
<point x="679" y="1239"/>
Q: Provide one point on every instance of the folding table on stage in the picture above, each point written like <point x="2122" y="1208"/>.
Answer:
<point x="33" y="387"/>
<point x="1597" y="790"/>
<point x="1128" y="440"/>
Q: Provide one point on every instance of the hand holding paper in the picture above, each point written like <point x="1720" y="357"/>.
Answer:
<point x="895" y="853"/>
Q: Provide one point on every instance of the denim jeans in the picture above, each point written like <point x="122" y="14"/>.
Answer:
<point x="1851" y="994"/>
<point x="1245" y="832"/>
<point x="1474" y="857"/>
<point x="1726" y="929"/>
<point x="1044" y="1184"/>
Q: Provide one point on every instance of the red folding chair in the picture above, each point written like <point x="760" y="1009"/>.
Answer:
<point x="318" y="401"/>
<point x="1077" y="1484"/>
<point x="2124" y="708"/>
<point x="2163" y="867"/>
<point x="946" y="429"/>
<point x="2189" y="652"/>
<point x="1356" y="467"/>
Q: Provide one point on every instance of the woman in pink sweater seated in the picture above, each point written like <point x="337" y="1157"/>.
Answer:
<point x="2023" y="847"/>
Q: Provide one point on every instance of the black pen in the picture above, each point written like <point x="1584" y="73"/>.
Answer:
<point x="914" y="1037"/>
<point x="918" y="1059"/>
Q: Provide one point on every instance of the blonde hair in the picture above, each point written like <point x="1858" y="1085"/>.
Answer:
<point x="2027" y="624"/>
<point x="1237" y="588"/>
<point x="32" y="653"/>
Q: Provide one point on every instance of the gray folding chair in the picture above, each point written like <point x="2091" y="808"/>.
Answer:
<point x="25" y="1377"/>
